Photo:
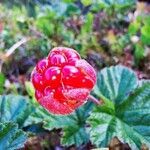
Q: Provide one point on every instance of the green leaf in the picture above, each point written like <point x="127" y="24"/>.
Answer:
<point x="86" y="2"/>
<point x="2" y="81"/>
<point x="45" y="25"/>
<point x="134" y="27"/>
<point x="145" y="34"/>
<point x="76" y="133"/>
<point x="50" y="121"/>
<point x="146" y="19"/>
<point x="130" y="120"/>
<point x="14" y="108"/>
<point x="59" y="7"/>
<point x="146" y="30"/>
<point x="73" y="125"/>
<point x="139" y="53"/>
<point x="144" y="81"/>
<point x="87" y="26"/>
<point x="11" y="137"/>
<point x="137" y="107"/>
<point x="68" y="1"/>
<point x="72" y="9"/>
<point x="115" y="83"/>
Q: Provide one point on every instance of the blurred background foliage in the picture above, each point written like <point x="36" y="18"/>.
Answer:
<point x="119" y="31"/>
<point x="105" y="32"/>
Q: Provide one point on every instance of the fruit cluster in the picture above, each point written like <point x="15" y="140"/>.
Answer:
<point x="62" y="81"/>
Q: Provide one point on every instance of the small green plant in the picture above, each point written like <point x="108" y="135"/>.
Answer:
<point x="139" y="31"/>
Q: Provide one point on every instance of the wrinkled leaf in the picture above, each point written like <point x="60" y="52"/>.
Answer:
<point x="135" y="110"/>
<point x="49" y="120"/>
<point x="76" y="133"/>
<point x="17" y="109"/>
<point x="73" y="125"/>
<point x="116" y="83"/>
<point x="130" y="118"/>
<point x="11" y="137"/>
<point x="14" y="108"/>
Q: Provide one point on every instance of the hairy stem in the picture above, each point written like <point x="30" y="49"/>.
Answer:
<point x="94" y="100"/>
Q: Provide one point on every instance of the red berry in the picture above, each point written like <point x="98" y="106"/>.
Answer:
<point x="52" y="76"/>
<point x="84" y="65"/>
<point x="38" y="94"/>
<point x="59" y="94"/>
<point x="42" y="65"/>
<point x="71" y="76"/>
<point x="70" y="71"/>
<point x="37" y="81"/>
<point x="49" y="91"/>
<point x="71" y="54"/>
<point x="72" y="61"/>
<point x="63" y="81"/>
<point x="55" y="106"/>
<point x="57" y="60"/>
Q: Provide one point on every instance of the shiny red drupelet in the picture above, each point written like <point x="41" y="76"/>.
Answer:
<point x="63" y="81"/>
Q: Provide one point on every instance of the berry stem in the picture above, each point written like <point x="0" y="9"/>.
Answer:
<point x="94" y="100"/>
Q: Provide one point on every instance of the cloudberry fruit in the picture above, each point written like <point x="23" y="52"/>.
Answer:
<point x="63" y="81"/>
